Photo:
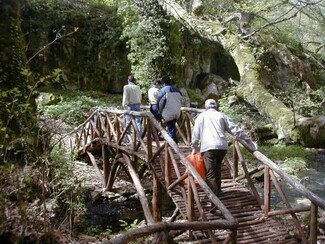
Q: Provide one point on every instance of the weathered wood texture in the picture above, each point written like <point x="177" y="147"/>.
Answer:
<point x="253" y="226"/>
<point x="242" y="214"/>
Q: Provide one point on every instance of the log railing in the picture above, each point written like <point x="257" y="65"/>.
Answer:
<point x="122" y="145"/>
<point x="274" y="174"/>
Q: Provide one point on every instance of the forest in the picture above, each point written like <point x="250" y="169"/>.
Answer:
<point x="263" y="61"/>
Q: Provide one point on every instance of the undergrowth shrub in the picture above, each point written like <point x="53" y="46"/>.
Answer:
<point x="74" y="106"/>
<point x="40" y="197"/>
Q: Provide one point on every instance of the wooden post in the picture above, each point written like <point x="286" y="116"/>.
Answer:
<point x="234" y="236"/>
<point x="251" y="184"/>
<point x="167" y="166"/>
<point x="235" y="157"/>
<point x="287" y="203"/>
<point x="98" y="172"/>
<point x="140" y="190"/>
<point x="267" y="191"/>
<point x="199" y="207"/>
<point x="117" y="128"/>
<point x="156" y="199"/>
<point x="188" y="127"/>
<point x="190" y="206"/>
<point x="149" y="140"/>
<point x="106" y="164"/>
<point x="313" y="223"/>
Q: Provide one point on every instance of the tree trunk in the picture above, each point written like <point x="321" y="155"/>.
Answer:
<point x="287" y="124"/>
<point x="17" y="106"/>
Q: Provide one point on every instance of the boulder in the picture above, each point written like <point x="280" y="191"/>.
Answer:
<point x="186" y="101"/>
<point x="214" y="87"/>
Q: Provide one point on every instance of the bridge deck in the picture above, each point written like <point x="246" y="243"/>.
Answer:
<point x="253" y="227"/>
<point x="240" y="218"/>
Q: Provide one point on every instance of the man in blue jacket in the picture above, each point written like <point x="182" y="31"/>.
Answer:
<point x="169" y="105"/>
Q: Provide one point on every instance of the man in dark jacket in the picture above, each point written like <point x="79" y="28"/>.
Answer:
<point x="169" y="105"/>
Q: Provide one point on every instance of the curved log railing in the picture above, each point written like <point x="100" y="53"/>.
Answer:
<point x="274" y="174"/>
<point x="120" y="145"/>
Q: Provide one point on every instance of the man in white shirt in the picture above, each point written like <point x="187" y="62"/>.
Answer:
<point x="132" y="100"/>
<point x="152" y="96"/>
<point x="209" y="138"/>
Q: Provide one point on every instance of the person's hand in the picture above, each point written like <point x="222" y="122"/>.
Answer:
<point x="194" y="151"/>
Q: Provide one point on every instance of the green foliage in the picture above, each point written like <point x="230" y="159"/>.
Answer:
<point x="68" y="191"/>
<point x="5" y="173"/>
<point x="303" y="100"/>
<point x="254" y="7"/>
<point x="295" y="165"/>
<point x="281" y="151"/>
<point x="88" y="60"/>
<point x="287" y="157"/>
<point x="291" y="158"/>
<point x="43" y="193"/>
<point x="129" y="226"/>
<point x="236" y="109"/>
<point x="16" y="103"/>
<point x="145" y="35"/>
<point x="17" y="123"/>
<point x="74" y="106"/>
<point x="194" y="96"/>
<point x="93" y="230"/>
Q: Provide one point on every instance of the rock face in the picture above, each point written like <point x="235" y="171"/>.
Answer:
<point x="214" y="87"/>
<point x="81" y="40"/>
<point x="92" y="56"/>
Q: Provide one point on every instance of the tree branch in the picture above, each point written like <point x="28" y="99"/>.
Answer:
<point x="57" y="37"/>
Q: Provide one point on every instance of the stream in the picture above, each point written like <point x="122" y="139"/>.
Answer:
<point x="313" y="178"/>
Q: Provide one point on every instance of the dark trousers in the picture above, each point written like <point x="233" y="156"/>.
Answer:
<point x="171" y="127"/>
<point x="212" y="161"/>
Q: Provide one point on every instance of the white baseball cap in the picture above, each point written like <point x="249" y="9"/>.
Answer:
<point x="210" y="103"/>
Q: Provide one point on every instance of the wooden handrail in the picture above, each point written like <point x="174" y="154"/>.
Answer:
<point x="270" y="169"/>
<point x="167" y="226"/>
<point x="295" y="184"/>
<point x="109" y="126"/>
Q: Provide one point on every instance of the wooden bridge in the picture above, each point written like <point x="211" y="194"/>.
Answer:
<point x="242" y="214"/>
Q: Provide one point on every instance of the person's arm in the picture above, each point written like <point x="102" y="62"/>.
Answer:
<point x="196" y="137"/>
<point x="235" y="130"/>
<point x="139" y="94"/>
<point x="125" y="97"/>
<point x="161" y="100"/>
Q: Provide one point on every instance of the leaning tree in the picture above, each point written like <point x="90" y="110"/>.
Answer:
<point x="287" y="123"/>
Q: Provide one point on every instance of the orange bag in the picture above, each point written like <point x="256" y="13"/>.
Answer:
<point x="198" y="162"/>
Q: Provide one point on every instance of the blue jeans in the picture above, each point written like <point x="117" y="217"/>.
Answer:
<point x="135" y="107"/>
<point x="171" y="127"/>
<point x="154" y="109"/>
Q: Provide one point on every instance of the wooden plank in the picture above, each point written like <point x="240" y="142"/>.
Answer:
<point x="140" y="190"/>
<point x="237" y="204"/>
<point x="98" y="172"/>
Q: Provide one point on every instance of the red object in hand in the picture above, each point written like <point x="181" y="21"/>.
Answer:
<point x="198" y="163"/>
